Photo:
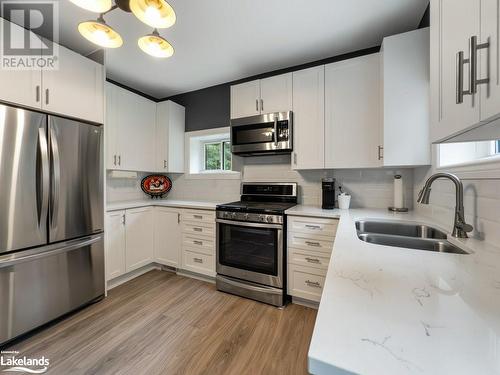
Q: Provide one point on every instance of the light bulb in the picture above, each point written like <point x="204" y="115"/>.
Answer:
<point x="98" y="32"/>
<point x="155" y="13"/>
<point x="156" y="46"/>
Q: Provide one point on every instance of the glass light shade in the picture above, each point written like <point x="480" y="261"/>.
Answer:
<point x="101" y="34"/>
<point x="97" y="6"/>
<point x="156" y="46"/>
<point x="155" y="13"/>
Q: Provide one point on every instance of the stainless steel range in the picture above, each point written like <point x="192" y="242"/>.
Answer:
<point x="251" y="236"/>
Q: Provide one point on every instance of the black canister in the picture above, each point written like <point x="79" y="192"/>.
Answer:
<point x="328" y="186"/>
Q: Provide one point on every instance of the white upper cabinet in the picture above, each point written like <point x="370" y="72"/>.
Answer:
<point x="352" y="113"/>
<point x="76" y="88"/>
<point x="167" y="236"/>
<point x="405" y="99"/>
<point x="130" y="131"/>
<point x="245" y="99"/>
<point x="23" y="87"/>
<point x="457" y="104"/>
<point x="276" y="94"/>
<point x="139" y="237"/>
<point x="170" y="129"/>
<point x="309" y="118"/>
<point x="257" y="97"/>
<point x="490" y="59"/>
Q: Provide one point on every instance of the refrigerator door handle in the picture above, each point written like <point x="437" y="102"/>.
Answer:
<point x="13" y="259"/>
<point x="56" y="179"/>
<point x="43" y="185"/>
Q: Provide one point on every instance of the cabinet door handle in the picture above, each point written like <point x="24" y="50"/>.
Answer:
<point x="295" y="158"/>
<point x="178" y="218"/>
<point x="164" y="164"/>
<point x="37" y="93"/>
<point x="474" y="47"/>
<point x="257" y="105"/>
<point x="123" y="219"/>
<point x="198" y="260"/>
<point x="380" y="153"/>
<point x="114" y="159"/>
<point x="198" y="229"/>
<point x="314" y="244"/>
<point x="312" y="260"/>
<point x="47" y="93"/>
<point x="119" y="160"/>
<point x="199" y="217"/>
<point x="312" y="226"/>
<point x="314" y="284"/>
<point x="262" y="105"/>
<point x="199" y="243"/>
<point x="460" y="92"/>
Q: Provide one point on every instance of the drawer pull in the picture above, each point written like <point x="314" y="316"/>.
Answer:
<point x="198" y="260"/>
<point x="198" y="242"/>
<point x="313" y="260"/>
<point x="313" y="226"/>
<point x="199" y="217"/>
<point x="314" y="244"/>
<point x="314" y="284"/>
<point x="198" y="229"/>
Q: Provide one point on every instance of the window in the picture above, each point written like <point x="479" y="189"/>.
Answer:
<point x="217" y="156"/>
<point x="208" y="155"/>
<point x="467" y="152"/>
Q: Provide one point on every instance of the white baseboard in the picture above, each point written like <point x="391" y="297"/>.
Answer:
<point x="197" y="276"/>
<point x="131" y="275"/>
<point x="305" y="302"/>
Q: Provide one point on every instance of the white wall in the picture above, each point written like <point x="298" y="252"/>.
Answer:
<point x="481" y="199"/>
<point x="372" y="188"/>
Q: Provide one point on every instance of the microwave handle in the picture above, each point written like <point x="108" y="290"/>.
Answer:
<point x="276" y="131"/>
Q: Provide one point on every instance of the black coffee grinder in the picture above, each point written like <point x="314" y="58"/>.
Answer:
<point x="328" y="186"/>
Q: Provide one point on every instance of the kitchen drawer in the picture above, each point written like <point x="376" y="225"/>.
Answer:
<point x="203" y="228"/>
<point x="197" y="216"/>
<point x="310" y="242"/>
<point x="307" y="258"/>
<point x="312" y="225"/>
<point x="305" y="282"/>
<point x="202" y="244"/>
<point x="198" y="262"/>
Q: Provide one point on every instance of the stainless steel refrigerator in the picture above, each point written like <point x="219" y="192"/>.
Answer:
<point x="51" y="218"/>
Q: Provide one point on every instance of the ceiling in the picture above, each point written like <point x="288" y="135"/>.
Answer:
<point x="219" y="41"/>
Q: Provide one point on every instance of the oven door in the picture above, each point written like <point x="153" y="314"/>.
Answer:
<point x="250" y="251"/>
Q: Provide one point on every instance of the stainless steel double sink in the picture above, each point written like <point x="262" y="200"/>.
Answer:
<point x="405" y="234"/>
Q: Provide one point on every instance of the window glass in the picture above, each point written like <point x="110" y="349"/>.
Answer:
<point x="212" y="156"/>
<point x="466" y="152"/>
<point x="227" y="156"/>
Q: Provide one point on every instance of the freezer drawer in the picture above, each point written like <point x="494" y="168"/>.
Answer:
<point x="40" y="285"/>
<point x="76" y="204"/>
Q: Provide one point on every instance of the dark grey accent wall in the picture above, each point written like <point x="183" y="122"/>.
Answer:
<point x="210" y="107"/>
<point x="206" y="108"/>
<point x="426" y="18"/>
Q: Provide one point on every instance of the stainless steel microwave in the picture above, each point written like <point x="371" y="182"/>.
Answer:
<point x="262" y="135"/>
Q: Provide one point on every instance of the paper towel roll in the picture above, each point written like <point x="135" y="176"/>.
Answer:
<point x="398" y="191"/>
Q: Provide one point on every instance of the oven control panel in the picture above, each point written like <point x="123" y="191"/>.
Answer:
<point x="252" y="217"/>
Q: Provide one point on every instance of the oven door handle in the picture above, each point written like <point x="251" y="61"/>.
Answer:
<point x="249" y="224"/>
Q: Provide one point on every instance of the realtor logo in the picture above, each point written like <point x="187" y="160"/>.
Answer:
<point x="24" y="25"/>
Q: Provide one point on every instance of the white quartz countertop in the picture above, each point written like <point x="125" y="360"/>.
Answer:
<point x="301" y="210"/>
<point x="114" y="206"/>
<point x="395" y="311"/>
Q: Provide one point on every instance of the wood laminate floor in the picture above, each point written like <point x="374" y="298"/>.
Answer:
<point x="161" y="323"/>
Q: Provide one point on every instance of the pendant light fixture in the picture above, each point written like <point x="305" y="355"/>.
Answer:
<point x="155" y="13"/>
<point x="98" y="32"/>
<point x="156" y="46"/>
<point x="96" y="6"/>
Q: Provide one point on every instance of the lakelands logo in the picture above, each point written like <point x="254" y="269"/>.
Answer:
<point x="11" y="362"/>
<point x="22" y="48"/>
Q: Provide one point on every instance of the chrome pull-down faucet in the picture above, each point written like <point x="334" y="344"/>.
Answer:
<point x="460" y="227"/>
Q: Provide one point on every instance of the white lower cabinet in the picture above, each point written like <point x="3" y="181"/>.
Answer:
<point x="167" y="236"/>
<point x="115" y="244"/>
<point x="138" y="237"/>
<point x="310" y="243"/>
<point x="179" y="238"/>
<point x="198" y="242"/>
